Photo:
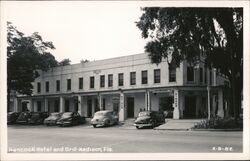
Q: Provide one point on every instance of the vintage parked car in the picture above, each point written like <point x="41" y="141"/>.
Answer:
<point x="52" y="119"/>
<point x="37" y="117"/>
<point x="70" y="118"/>
<point x="12" y="117"/>
<point x="149" y="119"/>
<point x="23" y="117"/>
<point x="104" y="118"/>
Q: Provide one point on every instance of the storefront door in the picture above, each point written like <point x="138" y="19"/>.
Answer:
<point x="89" y="104"/>
<point x="130" y="107"/>
<point x="190" y="107"/>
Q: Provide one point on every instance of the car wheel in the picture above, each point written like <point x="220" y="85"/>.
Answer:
<point x="137" y="127"/>
<point x="154" y="124"/>
<point x="94" y="126"/>
<point x="108" y="123"/>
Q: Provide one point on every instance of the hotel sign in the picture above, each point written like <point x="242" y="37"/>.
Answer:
<point x="176" y="99"/>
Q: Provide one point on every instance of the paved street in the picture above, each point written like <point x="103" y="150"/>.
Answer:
<point x="85" y="138"/>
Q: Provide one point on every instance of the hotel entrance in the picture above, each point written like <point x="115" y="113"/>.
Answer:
<point x="130" y="107"/>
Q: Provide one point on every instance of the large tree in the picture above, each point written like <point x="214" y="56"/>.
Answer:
<point x="25" y="56"/>
<point x="179" y="34"/>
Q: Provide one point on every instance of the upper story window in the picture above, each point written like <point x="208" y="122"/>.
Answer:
<point x="38" y="87"/>
<point x="190" y="74"/>
<point x="110" y="80"/>
<point x="201" y="75"/>
<point x="81" y="83"/>
<point x="92" y="82"/>
<point x="132" y="78"/>
<point x="57" y="85"/>
<point x="47" y="86"/>
<point x="172" y="73"/>
<point x="102" y="81"/>
<point x="68" y="84"/>
<point x="144" y="77"/>
<point x="120" y="79"/>
<point x="157" y="76"/>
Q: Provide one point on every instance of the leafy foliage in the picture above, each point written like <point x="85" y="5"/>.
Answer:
<point x="212" y="35"/>
<point x="26" y="55"/>
<point x="64" y="62"/>
<point x="219" y="123"/>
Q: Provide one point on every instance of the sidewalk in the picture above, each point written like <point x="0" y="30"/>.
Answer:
<point x="182" y="124"/>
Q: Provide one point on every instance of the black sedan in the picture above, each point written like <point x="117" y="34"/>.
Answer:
<point x="12" y="117"/>
<point x="149" y="119"/>
<point x="53" y="118"/>
<point x="37" y="117"/>
<point x="70" y="118"/>
<point x="23" y="118"/>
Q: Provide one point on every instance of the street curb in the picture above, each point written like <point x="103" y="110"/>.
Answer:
<point x="173" y="129"/>
<point x="200" y="129"/>
<point x="216" y="129"/>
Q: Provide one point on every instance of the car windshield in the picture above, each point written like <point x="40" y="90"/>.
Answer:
<point x="144" y="114"/>
<point x="54" y="114"/>
<point x="67" y="114"/>
<point x="101" y="113"/>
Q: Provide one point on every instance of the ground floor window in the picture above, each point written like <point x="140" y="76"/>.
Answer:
<point x="103" y="103"/>
<point x="56" y="106"/>
<point x="39" y="106"/>
<point x="24" y="106"/>
<point x="66" y="105"/>
<point x="97" y="108"/>
<point x="76" y="104"/>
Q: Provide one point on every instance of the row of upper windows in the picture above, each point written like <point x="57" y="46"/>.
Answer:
<point x="144" y="80"/>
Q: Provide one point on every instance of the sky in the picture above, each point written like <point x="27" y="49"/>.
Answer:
<point x="80" y="30"/>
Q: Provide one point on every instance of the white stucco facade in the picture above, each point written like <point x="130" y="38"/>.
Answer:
<point x="61" y="89"/>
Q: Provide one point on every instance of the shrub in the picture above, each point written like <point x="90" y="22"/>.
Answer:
<point x="219" y="123"/>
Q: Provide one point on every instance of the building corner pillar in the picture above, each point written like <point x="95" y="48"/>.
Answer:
<point x="176" y="113"/>
<point x="121" y="111"/>
<point x="220" y="112"/>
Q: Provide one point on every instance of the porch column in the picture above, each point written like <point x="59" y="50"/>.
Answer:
<point x="31" y="105"/>
<point x="80" y="110"/>
<point x="220" y="112"/>
<point x="16" y="103"/>
<point x="176" y="114"/>
<point x="208" y="103"/>
<point x="121" y="111"/>
<point x="100" y="102"/>
<point x="214" y="77"/>
<point x="148" y="101"/>
<point x="46" y="107"/>
<point x="35" y="106"/>
<point x="62" y="109"/>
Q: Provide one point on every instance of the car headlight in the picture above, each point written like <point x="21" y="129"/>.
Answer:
<point x="69" y="119"/>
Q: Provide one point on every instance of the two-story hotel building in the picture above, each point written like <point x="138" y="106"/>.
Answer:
<point x="128" y="85"/>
